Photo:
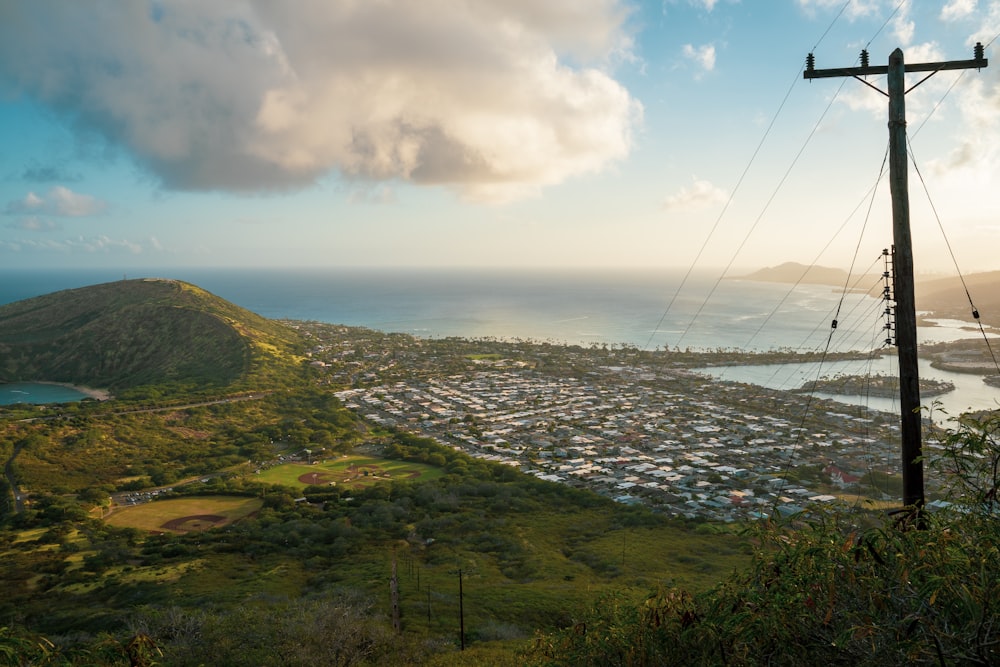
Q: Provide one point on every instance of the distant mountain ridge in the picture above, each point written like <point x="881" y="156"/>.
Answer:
<point x="947" y="298"/>
<point x="795" y="273"/>
<point x="943" y="298"/>
<point x="130" y="333"/>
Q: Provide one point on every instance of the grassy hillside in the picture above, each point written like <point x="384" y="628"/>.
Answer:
<point x="946" y="297"/>
<point x="911" y="590"/>
<point x="137" y="332"/>
<point x="531" y="555"/>
<point x="942" y="297"/>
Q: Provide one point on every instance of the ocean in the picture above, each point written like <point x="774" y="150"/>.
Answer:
<point x="646" y="309"/>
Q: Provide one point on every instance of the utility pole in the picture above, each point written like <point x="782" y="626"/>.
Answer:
<point x="461" y="611"/>
<point x="905" y="311"/>
<point x="394" y="595"/>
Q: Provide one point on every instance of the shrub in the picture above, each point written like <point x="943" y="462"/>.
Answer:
<point x="826" y="591"/>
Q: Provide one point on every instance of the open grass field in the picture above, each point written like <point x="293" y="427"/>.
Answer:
<point x="347" y="471"/>
<point x="182" y="515"/>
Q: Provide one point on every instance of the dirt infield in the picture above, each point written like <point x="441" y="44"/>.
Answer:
<point x="194" y="522"/>
<point x="352" y="473"/>
<point x="313" y="478"/>
<point x="181" y="515"/>
<point x="344" y="472"/>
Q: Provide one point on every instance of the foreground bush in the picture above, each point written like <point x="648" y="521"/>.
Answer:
<point x="825" y="591"/>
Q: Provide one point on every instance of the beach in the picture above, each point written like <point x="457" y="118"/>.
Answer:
<point x="44" y="391"/>
<point x="89" y="392"/>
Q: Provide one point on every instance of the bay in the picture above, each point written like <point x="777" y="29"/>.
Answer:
<point x="38" y="393"/>
<point x="970" y="393"/>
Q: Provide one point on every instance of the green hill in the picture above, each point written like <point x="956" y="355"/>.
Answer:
<point x="946" y="297"/>
<point x="130" y="333"/>
<point x="940" y="297"/>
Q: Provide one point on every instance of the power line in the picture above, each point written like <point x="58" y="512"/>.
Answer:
<point x="732" y="195"/>
<point x="961" y="277"/>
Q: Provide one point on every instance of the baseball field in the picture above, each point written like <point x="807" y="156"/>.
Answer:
<point x="346" y="471"/>
<point x="182" y="515"/>
<point x="195" y="513"/>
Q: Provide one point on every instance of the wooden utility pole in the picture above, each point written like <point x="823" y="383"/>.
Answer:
<point x="394" y="594"/>
<point x="461" y="611"/>
<point x="905" y="311"/>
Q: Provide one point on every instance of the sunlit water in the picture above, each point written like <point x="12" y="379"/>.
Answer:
<point x="29" y="392"/>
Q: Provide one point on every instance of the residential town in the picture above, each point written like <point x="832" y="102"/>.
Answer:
<point x="639" y="432"/>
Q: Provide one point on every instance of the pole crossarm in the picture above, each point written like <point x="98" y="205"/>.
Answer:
<point x="979" y="61"/>
<point x="884" y="69"/>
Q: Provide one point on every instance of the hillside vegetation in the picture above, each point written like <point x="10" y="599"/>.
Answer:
<point x="826" y="589"/>
<point x="263" y="555"/>
<point x="131" y="333"/>
<point x="531" y="553"/>
<point x="946" y="297"/>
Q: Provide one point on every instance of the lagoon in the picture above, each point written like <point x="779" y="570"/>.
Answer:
<point x="970" y="394"/>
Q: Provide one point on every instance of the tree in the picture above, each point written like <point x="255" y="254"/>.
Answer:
<point x="825" y="591"/>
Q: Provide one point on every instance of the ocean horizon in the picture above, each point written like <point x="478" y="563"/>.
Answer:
<point x="641" y="308"/>
<point x="649" y="309"/>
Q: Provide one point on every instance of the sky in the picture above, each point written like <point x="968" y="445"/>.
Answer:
<point x="488" y="133"/>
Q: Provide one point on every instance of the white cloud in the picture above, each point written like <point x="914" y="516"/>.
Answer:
<point x="494" y="98"/>
<point x="31" y="202"/>
<point x="958" y="9"/>
<point x="855" y="8"/>
<point x="973" y="159"/>
<point x="102" y="244"/>
<point x="707" y="5"/>
<point x="106" y="244"/>
<point x="34" y="224"/>
<point x="78" y="245"/>
<point x="59" y="201"/>
<point x="700" y="194"/>
<point x="902" y="25"/>
<point x="704" y="55"/>
<point x="63" y="201"/>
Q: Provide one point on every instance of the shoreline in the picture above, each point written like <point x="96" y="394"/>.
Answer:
<point x="89" y="392"/>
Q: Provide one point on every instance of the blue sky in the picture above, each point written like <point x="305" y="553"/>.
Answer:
<point x="569" y="133"/>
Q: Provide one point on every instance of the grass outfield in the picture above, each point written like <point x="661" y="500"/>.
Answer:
<point x="349" y="471"/>
<point x="181" y="515"/>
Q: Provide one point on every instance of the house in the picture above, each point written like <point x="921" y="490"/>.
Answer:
<point x="839" y="477"/>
